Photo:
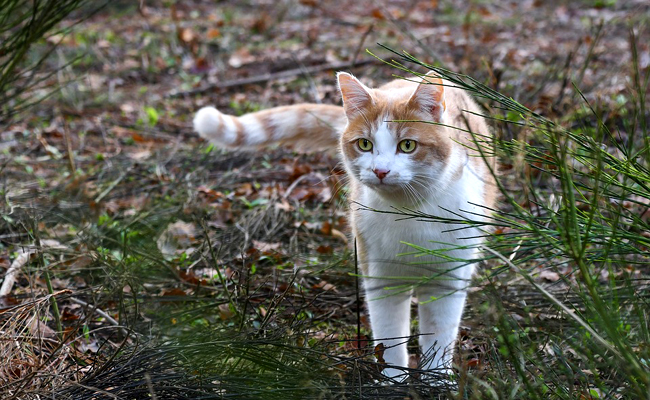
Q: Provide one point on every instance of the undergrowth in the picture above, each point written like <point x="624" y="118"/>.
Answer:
<point x="199" y="273"/>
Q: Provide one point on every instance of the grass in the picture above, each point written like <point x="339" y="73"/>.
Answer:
<point x="586" y="224"/>
<point x="182" y="271"/>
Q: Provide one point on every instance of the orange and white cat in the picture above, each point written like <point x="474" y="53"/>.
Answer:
<point x="394" y="160"/>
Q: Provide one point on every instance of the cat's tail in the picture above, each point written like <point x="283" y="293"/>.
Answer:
<point x="306" y="127"/>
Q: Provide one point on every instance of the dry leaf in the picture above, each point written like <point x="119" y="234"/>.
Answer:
<point x="549" y="275"/>
<point x="213" y="33"/>
<point x="240" y="57"/>
<point x="176" y="239"/>
<point x="40" y="329"/>
<point x="264" y="246"/>
<point x="186" y="35"/>
<point x="379" y="353"/>
<point x="225" y="312"/>
<point x="377" y="14"/>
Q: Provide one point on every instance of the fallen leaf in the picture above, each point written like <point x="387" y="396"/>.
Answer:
<point x="325" y="249"/>
<point x="326" y="229"/>
<point x="213" y="194"/>
<point x="176" y="239"/>
<point x="549" y="275"/>
<point x="174" y="292"/>
<point x="379" y="353"/>
<point x="240" y="57"/>
<point x="186" y="35"/>
<point x="225" y="312"/>
<point x="283" y="205"/>
<point x="377" y="14"/>
<point x="213" y="33"/>
<point x="264" y="246"/>
<point x="39" y="329"/>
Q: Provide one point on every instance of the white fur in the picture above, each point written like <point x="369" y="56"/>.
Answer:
<point x="356" y="95"/>
<point x="254" y="131"/>
<point x="282" y="119"/>
<point x="391" y="279"/>
<point x="208" y="123"/>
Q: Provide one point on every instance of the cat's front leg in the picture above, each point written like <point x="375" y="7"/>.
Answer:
<point x="439" y="312"/>
<point x="389" y="308"/>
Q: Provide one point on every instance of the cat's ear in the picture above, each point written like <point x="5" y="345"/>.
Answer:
<point x="429" y="97"/>
<point x="356" y="95"/>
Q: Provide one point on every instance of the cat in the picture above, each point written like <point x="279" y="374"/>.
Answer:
<point x="395" y="161"/>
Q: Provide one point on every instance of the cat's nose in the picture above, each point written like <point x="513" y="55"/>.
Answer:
<point x="381" y="173"/>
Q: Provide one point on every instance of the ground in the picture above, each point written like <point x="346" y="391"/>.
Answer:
<point x="152" y="235"/>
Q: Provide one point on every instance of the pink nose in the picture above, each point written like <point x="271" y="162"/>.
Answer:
<point x="381" y="173"/>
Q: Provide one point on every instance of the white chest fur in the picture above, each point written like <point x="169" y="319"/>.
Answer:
<point x="438" y="280"/>
<point x="386" y="236"/>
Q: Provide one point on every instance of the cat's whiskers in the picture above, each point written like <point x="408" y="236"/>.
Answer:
<point x="427" y="189"/>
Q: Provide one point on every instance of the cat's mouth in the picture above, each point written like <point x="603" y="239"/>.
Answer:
<point x="386" y="185"/>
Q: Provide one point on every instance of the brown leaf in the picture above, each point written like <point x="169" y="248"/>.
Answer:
<point x="40" y="329"/>
<point x="324" y="249"/>
<point x="325" y="286"/>
<point x="186" y="35"/>
<point x="264" y="246"/>
<point x="283" y="205"/>
<point x="240" y="57"/>
<point x="299" y="170"/>
<point x="379" y="353"/>
<point x="225" y="312"/>
<point x="190" y="277"/>
<point x="211" y="193"/>
<point x="340" y="235"/>
<point x="245" y="189"/>
<point x="213" y="33"/>
<point x="262" y="23"/>
<point x="377" y="14"/>
<point x="69" y="315"/>
<point x="326" y="229"/>
<point x="300" y="194"/>
<point x="174" y="292"/>
<point x="473" y="363"/>
<point x="549" y="275"/>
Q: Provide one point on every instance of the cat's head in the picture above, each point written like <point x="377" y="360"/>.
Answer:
<point x="392" y="157"/>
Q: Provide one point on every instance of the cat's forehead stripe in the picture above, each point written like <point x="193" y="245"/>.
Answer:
<point x="384" y="139"/>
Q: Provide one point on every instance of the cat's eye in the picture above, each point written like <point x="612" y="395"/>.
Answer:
<point x="364" y="144"/>
<point x="407" y="145"/>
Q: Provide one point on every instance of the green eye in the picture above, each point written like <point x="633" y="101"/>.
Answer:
<point x="407" y="146"/>
<point x="365" y="144"/>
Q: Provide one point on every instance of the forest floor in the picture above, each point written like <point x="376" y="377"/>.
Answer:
<point x="150" y="235"/>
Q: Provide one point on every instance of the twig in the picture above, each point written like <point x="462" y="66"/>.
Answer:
<point x="270" y="77"/>
<point x="24" y="255"/>
<point x="12" y="272"/>
<point x="293" y="185"/>
<point x="110" y="187"/>
<point x="360" y="46"/>
<point x="100" y="312"/>
<point x="68" y="144"/>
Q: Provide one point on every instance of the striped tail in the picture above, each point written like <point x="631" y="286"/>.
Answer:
<point x="306" y="127"/>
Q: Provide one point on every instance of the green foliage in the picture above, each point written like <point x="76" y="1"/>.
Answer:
<point x="587" y="220"/>
<point x="23" y="23"/>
